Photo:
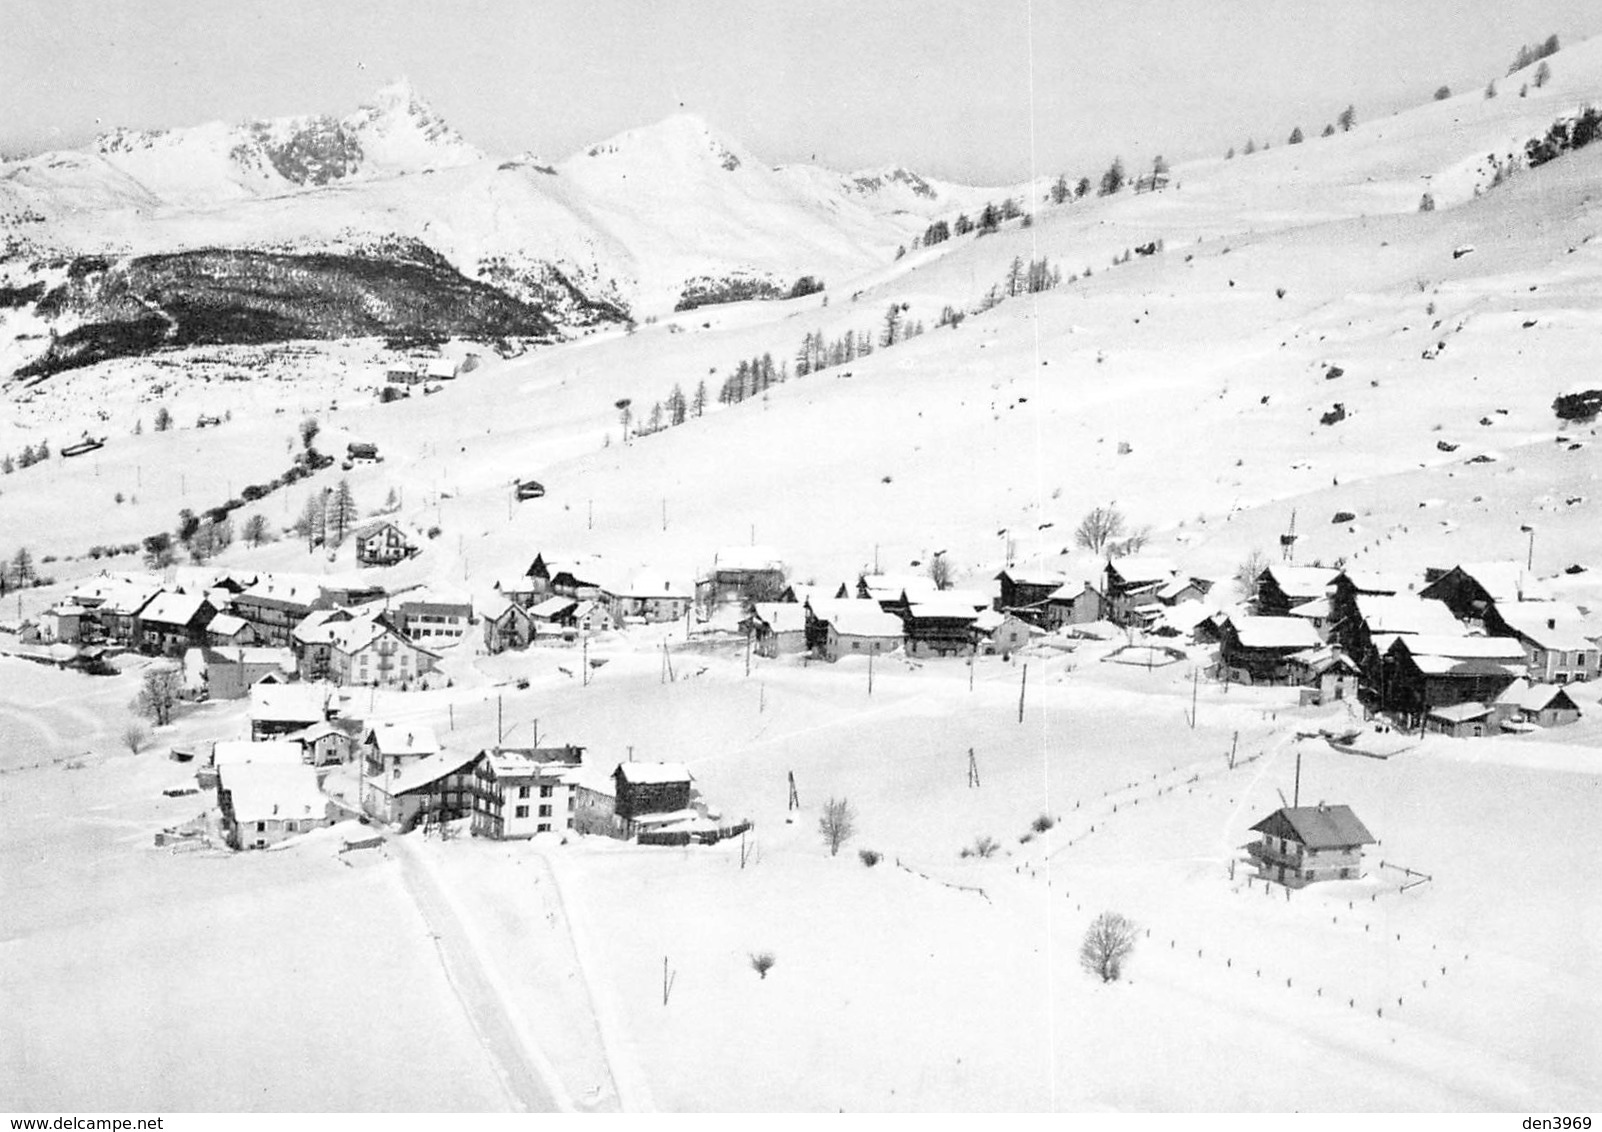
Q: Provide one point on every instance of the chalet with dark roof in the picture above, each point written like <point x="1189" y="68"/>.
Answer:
<point x="1301" y="845"/>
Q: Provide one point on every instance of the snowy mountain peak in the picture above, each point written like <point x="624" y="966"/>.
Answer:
<point x="875" y="180"/>
<point x="681" y="140"/>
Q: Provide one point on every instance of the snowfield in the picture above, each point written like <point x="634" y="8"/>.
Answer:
<point x="530" y="975"/>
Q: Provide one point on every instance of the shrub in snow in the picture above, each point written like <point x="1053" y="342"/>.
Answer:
<point x="762" y="962"/>
<point x="837" y="824"/>
<point x="985" y="846"/>
<point x="1107" y="943"/>
<point x="1043" y="823"/>
<point x="870" y="857"/>
<point x="1581" y="405"/>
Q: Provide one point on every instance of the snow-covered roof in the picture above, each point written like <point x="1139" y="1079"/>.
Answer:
<point x="290" y="703"/>
<point x="748" y="558"/>
<point x="273" y="792"/>
<point x="1460" y="713"/>
<point x="1464" y="648"/>
<point x="1301" y="581"/>
<point x="226" y="624"/>
<point x="940" y="605"/>
<point x="1536" y="697"/>
<point x="977" y="599"/>
<point x="533" y="760"/>
<point x="642" y="774"/>
<point x="1143" y="569"/>
<point x="1274" y="633"/>
<point x="850" y="619"/>
<point x="989" y="620"/>
<point x="781" y="616"/>
<point x="283" y="658"/>
<point x="1069" y="591"/>
<point x="1312" y="610"/>
<point x="402" y="739"/>
<point x="889" y="587"/>
<point x="428" y="770"/>
<point x="172" y="609"/>
<point x="230" y="752"/>
<point x="441" y="368"/>
<point x="647" y="585"/>
<point x="518" y="584"/>
<point x="1503" y="581"/>
<point x="1407" y="614"/>
<point x="317" y="627"/>
<point x="291" y="588"/>
<point x="552" y="607"/>
<point x="1375" y="582"/>
<point x="370" y="529"/>
<point x="1185" y="616"/>
<point x="1551" y="625"/>
<point x="1034" y="574"/>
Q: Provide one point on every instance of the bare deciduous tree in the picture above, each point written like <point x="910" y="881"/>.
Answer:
<point x="134" y="737"/>
<point x="158" y="695"/>
<point x="762" y="962"/>
<point x="1107" y="943"/>
<point x="1247" y="573"/>
<point x="1100" y="527"/>
<point x="940" y="571"/>
<point x="837" y="825"/>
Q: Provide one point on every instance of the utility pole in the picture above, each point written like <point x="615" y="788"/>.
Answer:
<point x="870" y="674"/>
<point x="1023" y="685"/>
<point x="973" y="769"/>
<point x="1195" y="677"/>
<point x="1296" y="790"/>
<point x="748" y="651"/>
<point x="584" y="662"/>
<point x="499" y="732"/>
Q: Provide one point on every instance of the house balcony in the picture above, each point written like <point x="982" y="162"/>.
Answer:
<point x="1277" y="857"/>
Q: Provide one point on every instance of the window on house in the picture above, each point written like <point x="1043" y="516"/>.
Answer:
<point x="522" y="791"/>
<point x="291" y="827"/>
<point x="261" y="827"/>
<point x="545" y="827"/>
<point x="521" y="811"/>
<point x="856" y="644"/>
<point x="545" y="811"/>
<point x="545" y="791"/>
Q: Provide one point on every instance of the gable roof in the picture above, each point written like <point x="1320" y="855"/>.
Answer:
<point x="1501" y="581"/>
<point x="268" y="791"/>
<point x="290" y="703"/>
<point x="226" y="624"/>
<point x="1274" y="632"/>
<point x="401" y="739"/>
<point x="173" y="608"/>
<point x="641" y="774"/>
<point x="747" y="558"/>
<point x="850" y="619"/>
<point x="1460" y="713"/>
<point x="1385" y="613"/>
<point x="1317" y="827"/>
<point x="232" y="752"/>
<point x="1136" y="569"/>
<point x="373" y="528"/>
<point x="1538" y="697"/>
<point x="428" y="770"/>
<point x="552" y="607"/>
<point x="940" y="605"/>
<point x="1306" y="582"/>
<point x="1551" y="625"/>
<point x="1027" y="574"/>
<point x="781" y="616"/>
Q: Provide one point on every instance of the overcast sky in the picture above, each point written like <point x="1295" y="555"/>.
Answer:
<point x="952" y="88"/>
